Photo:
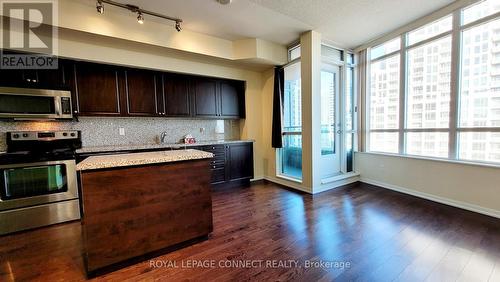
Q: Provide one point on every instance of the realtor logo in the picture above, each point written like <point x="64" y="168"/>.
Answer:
<point x="29" y="34"/>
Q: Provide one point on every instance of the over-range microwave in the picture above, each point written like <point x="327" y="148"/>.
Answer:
<point x="28" y="103"/>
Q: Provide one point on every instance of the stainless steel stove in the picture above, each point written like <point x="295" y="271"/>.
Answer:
<point x="38" y="184"/>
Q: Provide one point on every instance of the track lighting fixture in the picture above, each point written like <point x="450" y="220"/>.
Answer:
<point x="99" y="7"/>
<point x="140" y="12"/>
<point x="140" y="17"/>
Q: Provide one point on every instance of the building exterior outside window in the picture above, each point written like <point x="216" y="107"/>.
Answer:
<point x="426" y="100"/>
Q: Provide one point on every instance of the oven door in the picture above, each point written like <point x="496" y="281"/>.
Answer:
<point x="24" y="185"/>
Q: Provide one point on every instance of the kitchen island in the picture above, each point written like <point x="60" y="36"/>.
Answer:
<point x="136" y="204"/>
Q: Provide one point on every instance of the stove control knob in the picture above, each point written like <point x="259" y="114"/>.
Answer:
<point x="73" y="134"/>
<point x="15" y="136"/>
<point x="65" y="134"/>
<point x="25" y="135"/>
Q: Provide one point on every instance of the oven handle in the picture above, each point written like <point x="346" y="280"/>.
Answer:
<point x="66" y="162"/>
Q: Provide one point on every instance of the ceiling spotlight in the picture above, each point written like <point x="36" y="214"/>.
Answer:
<point x="99" y="7"/>
<point x="140" y="17"/>
<point x="225" y="2"/>
<point x="136" y="10"/>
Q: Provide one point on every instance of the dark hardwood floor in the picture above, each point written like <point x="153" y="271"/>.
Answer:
<point x="382" y="235"/>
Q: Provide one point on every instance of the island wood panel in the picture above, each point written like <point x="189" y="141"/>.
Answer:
<point x="133" y="211"/>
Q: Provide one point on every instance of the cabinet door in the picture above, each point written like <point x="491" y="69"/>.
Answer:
<point x="12" y="78"/>
<point x="55" y="78"/>
<point x="205" y="97"/>
<point x="44" y="78"/>
<point x="230" y="99"/>
<point x="96" y="89"/>
<point x="240" y="161"/>
<point x="52" y="79"/>
<point x="177" y="95"/>
<point x="141" y="93"/>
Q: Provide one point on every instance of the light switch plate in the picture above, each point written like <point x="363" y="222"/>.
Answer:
<point x="122" y="131"/>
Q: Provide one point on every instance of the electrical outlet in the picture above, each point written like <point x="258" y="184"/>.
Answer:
<point x="122" y="131"/>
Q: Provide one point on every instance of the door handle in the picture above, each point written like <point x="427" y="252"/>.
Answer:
<point x="57" y="102"/>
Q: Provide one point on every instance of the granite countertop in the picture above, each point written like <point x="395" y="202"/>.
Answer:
<point x="117" y="148"/>
<point x="123" y="160"/>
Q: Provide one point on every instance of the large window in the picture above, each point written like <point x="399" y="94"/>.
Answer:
<point x="384" y="97"/>
<point x="291" y="153"/>
<point x="435" y="91"/>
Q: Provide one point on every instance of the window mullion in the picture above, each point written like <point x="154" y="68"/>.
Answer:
<point x="454" y="86"/>
<point x="402" y="94"/>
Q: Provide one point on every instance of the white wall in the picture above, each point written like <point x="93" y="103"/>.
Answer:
<point x="118" y="23"/>
<point x="467" y="186"/>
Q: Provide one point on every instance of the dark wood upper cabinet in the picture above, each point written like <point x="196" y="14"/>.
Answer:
<point x="55" y="78"/>
<point x="219" y="98"/>
<point x="205" y="92"/>
<point x="42" y="78"/>
<point x="107" y="90"/>
<point x="239" y="161"/>
<point x="141" y="93"/>
<point x="230" y="100"/>
<point x="12" y="78"/>
<point x="96" y="89"/>
<point x="177" y="95"/>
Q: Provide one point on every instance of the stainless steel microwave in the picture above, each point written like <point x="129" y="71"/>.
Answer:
<point x="27" y="103"/>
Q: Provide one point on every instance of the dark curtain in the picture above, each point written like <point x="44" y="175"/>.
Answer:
<point x="279" y="84"/>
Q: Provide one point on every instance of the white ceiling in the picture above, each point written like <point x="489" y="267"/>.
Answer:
<point x="348" y="23"/>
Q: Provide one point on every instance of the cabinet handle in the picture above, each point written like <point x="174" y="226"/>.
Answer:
<point x="28" y="80"/>
<point x="213" y="166"/>
<point x="34" y="80"/>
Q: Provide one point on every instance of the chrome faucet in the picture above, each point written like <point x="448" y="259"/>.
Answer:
<point x="163" y="135"/>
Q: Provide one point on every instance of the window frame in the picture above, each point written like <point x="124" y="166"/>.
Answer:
<point x="454" y="129"/>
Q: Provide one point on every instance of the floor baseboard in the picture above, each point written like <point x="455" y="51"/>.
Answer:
<point x="434" y="198"/>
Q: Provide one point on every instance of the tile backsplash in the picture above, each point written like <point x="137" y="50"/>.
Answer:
<point x="106" y="131"/>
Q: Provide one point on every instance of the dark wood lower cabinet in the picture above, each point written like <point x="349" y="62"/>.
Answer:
<point x="232" y="162"/>
<point x="129" y="212"/>
<point x="239" y="161"/>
